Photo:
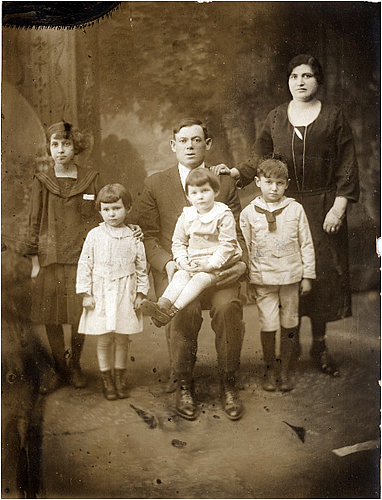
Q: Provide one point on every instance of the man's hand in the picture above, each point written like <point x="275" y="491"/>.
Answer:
<point x="220" y="169"/>
<point x="231" y="275"/>
<point x="138" y="300"/>
<point x="171" y="269"/>
<point x="137" y="231"/>
<point x="88" y="302"/>
<point x="305" y="286"/>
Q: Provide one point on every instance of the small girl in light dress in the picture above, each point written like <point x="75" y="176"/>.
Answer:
<point x="112" y="278"/>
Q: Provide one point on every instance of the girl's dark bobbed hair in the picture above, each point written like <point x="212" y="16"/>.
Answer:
<point x="65" y="130"/>
<point x="111" y="193"/>
<point x="310" y="61"/>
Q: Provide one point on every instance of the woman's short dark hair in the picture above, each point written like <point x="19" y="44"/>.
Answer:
<point x="201" y="176"/>
<point x="65" y="130"/>
<point x="310" y="61"/>
<point x="273" y="166"/>
<point x="189" y="122"/>
<point x="111" y="193"/>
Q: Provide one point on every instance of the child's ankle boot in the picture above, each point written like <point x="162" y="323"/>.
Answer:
<point x="160" y="314"/>
<point x="120" y="383"/>
<point x="268" y="341"/>
<point x="108" y="387"/>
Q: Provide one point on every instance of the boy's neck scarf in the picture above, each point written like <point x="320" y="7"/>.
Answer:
<point x="271" y="216"/>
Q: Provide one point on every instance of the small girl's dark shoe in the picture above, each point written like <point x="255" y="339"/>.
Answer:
<point x="108" y="387"/>
<point x="120" y="383"/>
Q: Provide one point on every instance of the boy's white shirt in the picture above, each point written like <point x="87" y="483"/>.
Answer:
<point x="274" y="255"/>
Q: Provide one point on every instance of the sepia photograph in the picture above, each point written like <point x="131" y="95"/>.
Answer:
<point x="190" y="237"/>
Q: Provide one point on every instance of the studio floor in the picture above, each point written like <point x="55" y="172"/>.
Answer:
<point x="281" y="448"/>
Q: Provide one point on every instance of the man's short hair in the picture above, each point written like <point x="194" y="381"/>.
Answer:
<point x="189" y="122"/>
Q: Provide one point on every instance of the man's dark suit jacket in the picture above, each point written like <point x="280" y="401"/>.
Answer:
<point x="157" y="211"/>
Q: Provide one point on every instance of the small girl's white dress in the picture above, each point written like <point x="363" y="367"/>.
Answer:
<point x="113" y="268"/>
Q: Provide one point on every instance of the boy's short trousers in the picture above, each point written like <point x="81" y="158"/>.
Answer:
<point x="278" y="305"/>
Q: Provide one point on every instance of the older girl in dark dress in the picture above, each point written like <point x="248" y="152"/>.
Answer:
<point x="62" y="212"/>
<point x="316" y="141"/>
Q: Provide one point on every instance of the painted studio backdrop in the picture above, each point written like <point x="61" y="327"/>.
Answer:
<point x="127" y="78"/>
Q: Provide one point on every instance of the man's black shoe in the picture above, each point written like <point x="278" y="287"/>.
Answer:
<point x="185" y="404"/>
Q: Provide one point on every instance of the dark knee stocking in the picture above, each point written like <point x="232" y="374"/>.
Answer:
<point x="55" y="336"/>
<point x="78" y="340"/>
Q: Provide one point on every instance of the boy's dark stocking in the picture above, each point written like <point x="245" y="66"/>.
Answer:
<point x="77" y="378"/>
<point x="319" y="351"/>
<point x="268" y="342"/>
<point x="289" y="352"/>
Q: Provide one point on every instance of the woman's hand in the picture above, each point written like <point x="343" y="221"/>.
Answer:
<point x="333" y="219"/>
<point x="332" y="222"/>
<point x="35" y="267"/>
<point x="88" y="302"/>
<point x="137" y="231"/>
<point x="232" y="274"/>
<point x="305" y="286"/>
<point x="138" y="299"/>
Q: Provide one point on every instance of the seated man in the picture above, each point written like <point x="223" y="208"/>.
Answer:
<point x="157" y="212"/>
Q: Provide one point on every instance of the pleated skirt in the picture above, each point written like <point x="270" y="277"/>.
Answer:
<point x="54" y="298"/>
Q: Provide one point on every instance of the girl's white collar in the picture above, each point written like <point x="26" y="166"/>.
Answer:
<point x="117" y="232"/>
<point x="192" y="214"/>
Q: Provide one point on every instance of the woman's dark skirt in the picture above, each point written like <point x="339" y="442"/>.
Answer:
<point x="330" y="298"/>
<point x="54" y="299"/>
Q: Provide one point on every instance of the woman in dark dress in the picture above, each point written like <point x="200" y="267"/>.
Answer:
<point x="316" y="141"/>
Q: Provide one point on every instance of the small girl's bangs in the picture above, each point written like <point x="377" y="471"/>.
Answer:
<point x="111" y="193"/>
<point x="109" y="198"/>
<point x="201" y="176"/>
<point x="61" y="135"/>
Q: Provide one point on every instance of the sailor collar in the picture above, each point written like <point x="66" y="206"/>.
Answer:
<point x="191" y="214"/>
